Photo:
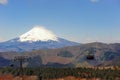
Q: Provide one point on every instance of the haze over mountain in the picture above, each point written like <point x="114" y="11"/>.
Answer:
<point x="35" y="39"/>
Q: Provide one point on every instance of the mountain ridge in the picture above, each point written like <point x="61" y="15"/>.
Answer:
<point x="72" y="56"/>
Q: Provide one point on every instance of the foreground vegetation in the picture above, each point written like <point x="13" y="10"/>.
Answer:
<point x="56" y="73"/>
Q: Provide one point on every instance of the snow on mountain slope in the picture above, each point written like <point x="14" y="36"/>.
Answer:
<point x="35" y="39"/>
<point x="38" y="34"/>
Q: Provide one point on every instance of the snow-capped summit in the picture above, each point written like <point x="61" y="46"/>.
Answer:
<point x="36" y="39"/>
<point x="38" y="33"/>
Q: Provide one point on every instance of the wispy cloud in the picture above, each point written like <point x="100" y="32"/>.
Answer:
<point x="1" y="39"/>
<point x="94" y="1"/>
<point x="3" y="2"/>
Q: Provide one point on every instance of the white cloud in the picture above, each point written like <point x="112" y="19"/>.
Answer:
<point x="3" y="2"/>
<point x="94" y="1"/>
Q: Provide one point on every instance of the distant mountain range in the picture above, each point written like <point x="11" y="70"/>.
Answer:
<point x="35" y="39"/>
<point x="74" y="56"/>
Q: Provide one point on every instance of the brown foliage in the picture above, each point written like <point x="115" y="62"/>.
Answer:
<point x="6" y="77"/>
<point x="11" y="77"/>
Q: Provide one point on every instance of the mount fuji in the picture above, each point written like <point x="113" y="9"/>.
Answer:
<point x="36" y="39"/>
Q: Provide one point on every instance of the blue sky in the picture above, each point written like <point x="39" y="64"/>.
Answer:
<point x="82" y="21"/>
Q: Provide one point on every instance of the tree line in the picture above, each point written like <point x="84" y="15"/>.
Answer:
<point x="50" y="73"/>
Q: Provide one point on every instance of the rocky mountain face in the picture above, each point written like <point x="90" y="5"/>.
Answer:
<point x="74" y="56"/>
